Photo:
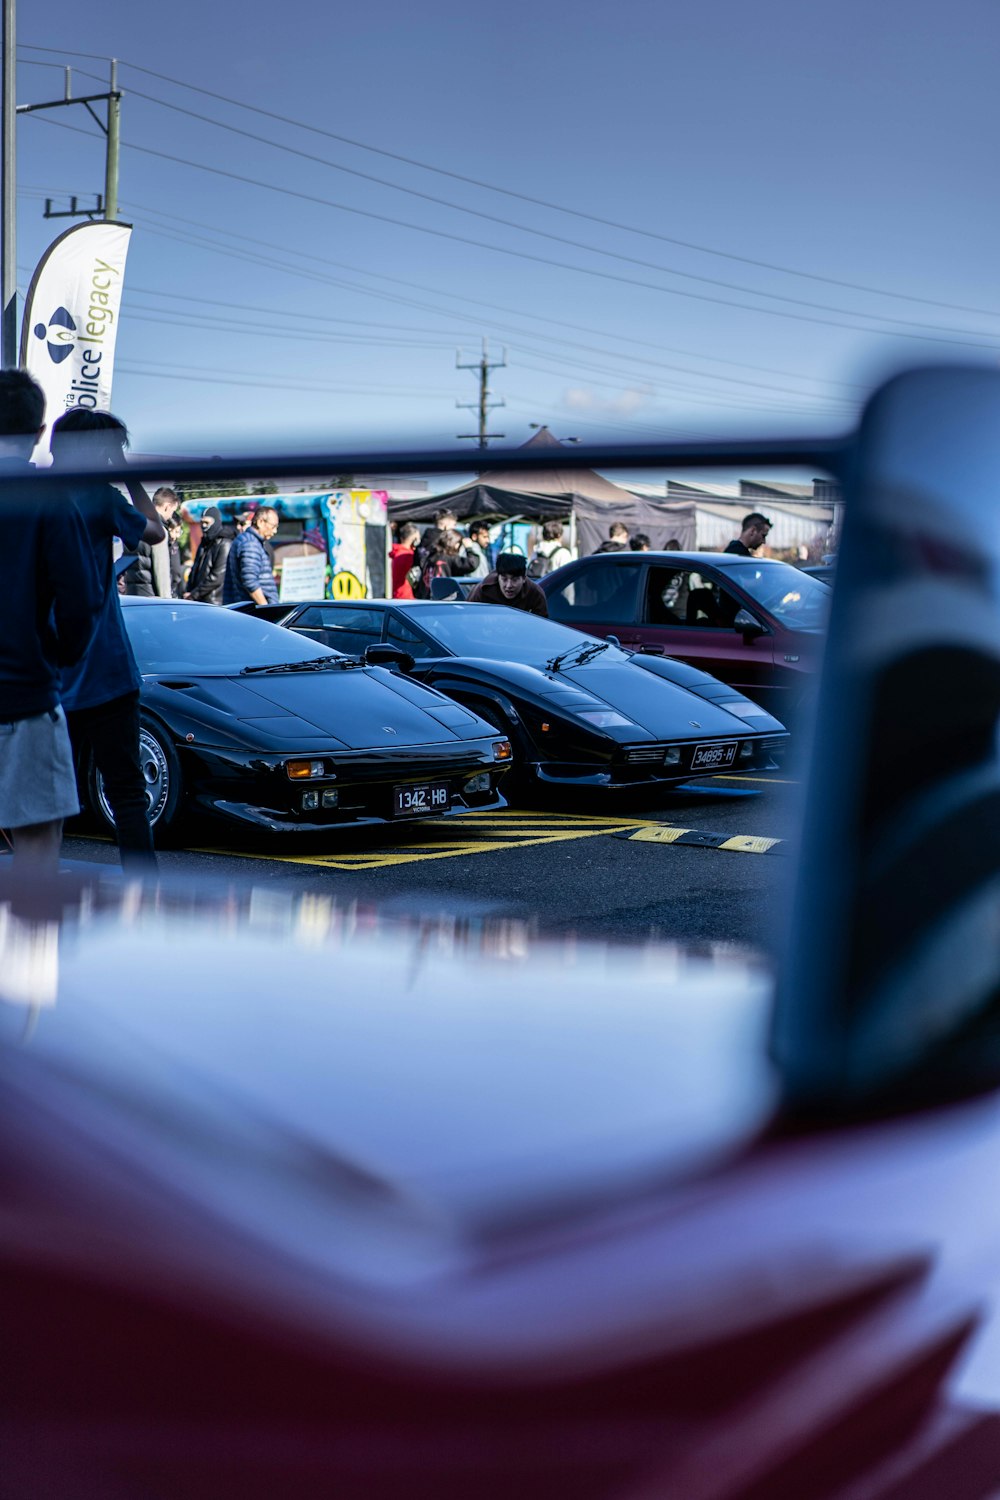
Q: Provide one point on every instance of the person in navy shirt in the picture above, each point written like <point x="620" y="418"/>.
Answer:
<point x="101" y="693"/>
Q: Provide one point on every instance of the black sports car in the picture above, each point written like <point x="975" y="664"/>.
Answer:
<point x="241" y="719"/>
<point x="579" y="711"/>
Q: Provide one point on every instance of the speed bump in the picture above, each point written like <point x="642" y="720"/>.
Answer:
<point x="739" y="843"/>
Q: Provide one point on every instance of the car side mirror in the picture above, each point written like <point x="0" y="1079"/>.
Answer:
<point x="746" y="626"/>
<point x="388" y="656"/>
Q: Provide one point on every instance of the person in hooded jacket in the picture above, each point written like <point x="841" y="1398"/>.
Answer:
<point x="208" y="571"/>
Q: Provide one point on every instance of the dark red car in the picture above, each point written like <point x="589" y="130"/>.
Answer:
<point x="754" y="623"/>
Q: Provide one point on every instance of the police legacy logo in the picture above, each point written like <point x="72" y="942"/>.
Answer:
<point x="58" y="335"/>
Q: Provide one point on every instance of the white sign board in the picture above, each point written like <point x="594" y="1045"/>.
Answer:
<point x="302" y="578"/>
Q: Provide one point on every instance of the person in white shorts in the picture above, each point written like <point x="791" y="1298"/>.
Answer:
<point x="50" y="598"/>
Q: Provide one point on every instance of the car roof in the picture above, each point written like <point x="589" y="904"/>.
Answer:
<point x="716" y="559"/>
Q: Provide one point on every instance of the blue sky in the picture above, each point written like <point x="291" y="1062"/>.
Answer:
<point x="805" y="198"/>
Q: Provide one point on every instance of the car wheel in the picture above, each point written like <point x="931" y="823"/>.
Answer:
<point x="162" y="774"/>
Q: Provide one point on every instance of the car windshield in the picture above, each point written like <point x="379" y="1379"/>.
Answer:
<point x="204" y="638"/>
<point x="498" y="633"/>
<point x="791" y="596"/>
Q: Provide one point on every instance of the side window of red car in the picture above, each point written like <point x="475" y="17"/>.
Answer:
<point x="602" y="591"/>
<point x="682" y="596"/>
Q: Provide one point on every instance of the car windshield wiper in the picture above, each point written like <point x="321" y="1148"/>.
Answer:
<point x="582" y="653"/>
<point x="312" y="664"/>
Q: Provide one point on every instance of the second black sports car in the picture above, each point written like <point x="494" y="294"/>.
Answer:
<point x="243" y="720"/>
<point x="578" y="710"/>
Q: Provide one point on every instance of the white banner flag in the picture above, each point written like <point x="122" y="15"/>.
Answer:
<point x="71" y="316"/>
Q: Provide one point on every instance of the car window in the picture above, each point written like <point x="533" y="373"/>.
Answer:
<point x="399" y="633"/>
<point x="349" y="629"/>
<point x="791" y="596"/>
<point x="196" y="638"/>
<point x="684" y="597"/>
<point x="497" y="633"/>
<point x="604" y="590"/>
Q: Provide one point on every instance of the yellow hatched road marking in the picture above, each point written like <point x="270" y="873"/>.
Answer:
<point x="371" y="859"/>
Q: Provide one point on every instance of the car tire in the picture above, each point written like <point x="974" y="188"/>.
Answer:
<point x="164" y="783"/>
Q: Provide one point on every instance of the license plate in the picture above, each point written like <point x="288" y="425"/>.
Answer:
<point x="411" y="801"/>
<point x="712" y="756"/>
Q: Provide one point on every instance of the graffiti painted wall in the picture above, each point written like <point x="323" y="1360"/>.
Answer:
<point x="350" y="526"/>
<point x="353" y="522"/>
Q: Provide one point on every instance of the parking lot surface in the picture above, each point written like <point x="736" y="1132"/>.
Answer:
<point x="680" y="865"/>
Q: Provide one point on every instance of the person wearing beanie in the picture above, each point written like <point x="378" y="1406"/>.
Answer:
<point x="509" y="584"/>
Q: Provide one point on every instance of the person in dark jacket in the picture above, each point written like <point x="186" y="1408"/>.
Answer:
<point x="617" y="539"/>
<point x="50" y="599"/>
<point x="249" y="575"/>
<point x="101" y="693"/>
<point x="510" y="585"/>
<point x="753" y="534"/>
<point x="208" y="571"/>
<point x="139" y="579"/>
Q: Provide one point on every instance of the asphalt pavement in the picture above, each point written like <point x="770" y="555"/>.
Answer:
<point x="706" y="865"/>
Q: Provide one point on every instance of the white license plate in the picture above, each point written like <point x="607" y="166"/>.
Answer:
<point x="411" y="801"/>
<point x="710" y="757"/>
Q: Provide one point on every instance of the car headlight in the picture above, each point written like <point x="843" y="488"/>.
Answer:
<point x="743" y="708"/>
<point x="503" y="750"/>
<point x="605" y="718"/>
<point x="305" y="770"/>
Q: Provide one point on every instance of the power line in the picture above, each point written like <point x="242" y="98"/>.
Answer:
<point x="522" y="197"/>
<point x="604" y="275"/>
<point x="209" y="376"/>
<point x="574" y="344"/>
<point x="522" y="228"/>
<point x="285" y="251"/>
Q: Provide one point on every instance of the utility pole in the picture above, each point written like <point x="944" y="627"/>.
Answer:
<point x="484" y="405"/>
<point x="8" y="152"/>
<point x="110" y="127"/>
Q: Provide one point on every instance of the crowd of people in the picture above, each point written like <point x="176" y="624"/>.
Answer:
<point x="443" y="551"/>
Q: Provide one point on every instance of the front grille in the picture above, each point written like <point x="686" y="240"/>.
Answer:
<point x="645" y="754"/>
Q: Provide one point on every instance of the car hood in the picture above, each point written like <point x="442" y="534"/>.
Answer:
<point x="361" y="709"/>
<point x="664" y="713"/>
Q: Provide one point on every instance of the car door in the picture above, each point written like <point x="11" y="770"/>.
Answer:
<point x="691" y="611"/>
<point x="600" y="596"/>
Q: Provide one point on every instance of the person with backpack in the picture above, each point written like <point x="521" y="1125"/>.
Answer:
<point x="426" y="553"/>
<point x="551" y="552"/>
